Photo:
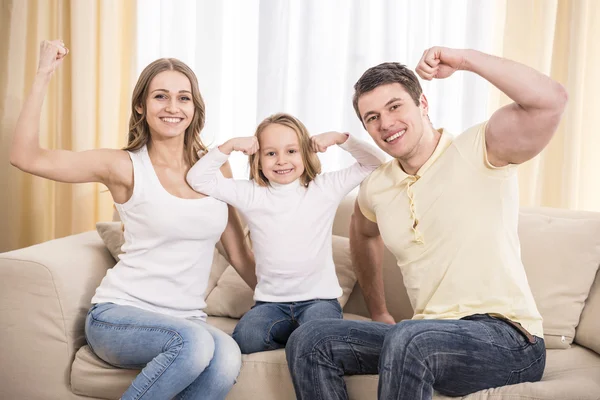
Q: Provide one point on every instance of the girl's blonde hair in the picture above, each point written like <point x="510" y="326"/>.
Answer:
<point x="312" y="165"/>
<point x="139" y="131"/>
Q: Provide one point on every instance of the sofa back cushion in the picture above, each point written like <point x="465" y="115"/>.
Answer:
<point x="561" y="253"/>
<point x="588" y="331"/>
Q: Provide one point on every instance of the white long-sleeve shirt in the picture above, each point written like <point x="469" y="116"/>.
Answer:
<point x="290" y="225"/>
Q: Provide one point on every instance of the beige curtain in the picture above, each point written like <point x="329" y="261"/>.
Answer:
<point x="87" y="107"/>
<point x="559" y="38"/>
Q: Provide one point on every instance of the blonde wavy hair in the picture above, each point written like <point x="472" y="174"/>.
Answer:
<point x="312" y="165"/>
<point x="139" y="131"/>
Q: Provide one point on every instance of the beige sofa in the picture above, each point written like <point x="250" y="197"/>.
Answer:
<point x="45" y="292"/>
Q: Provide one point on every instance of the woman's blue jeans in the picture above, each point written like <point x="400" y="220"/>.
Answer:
<point x="179" y="358"/>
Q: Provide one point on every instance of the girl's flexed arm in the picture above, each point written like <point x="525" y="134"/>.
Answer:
<point x="205" y="177"/>
<point x="368" y="158"/>
<point x="365" y="154"/>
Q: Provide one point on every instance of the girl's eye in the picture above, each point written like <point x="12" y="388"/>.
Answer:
<point x="292" y="151"/>
<point x="271" y="154"/>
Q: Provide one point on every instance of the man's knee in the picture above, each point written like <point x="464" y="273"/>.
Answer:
<point x="409" y="335"/>
<point x="313" y="336"/>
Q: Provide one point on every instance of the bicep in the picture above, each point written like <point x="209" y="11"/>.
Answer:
<point x="362" y="225"/>
<point x="514" y="135"/>
<point x="79" y="167"/>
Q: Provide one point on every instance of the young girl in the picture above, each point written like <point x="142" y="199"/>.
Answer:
<point x="290" y="210"/>
<point x="147" y="312"/>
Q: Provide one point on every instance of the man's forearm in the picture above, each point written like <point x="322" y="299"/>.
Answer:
<point x="527" y="87"/>
<point x="367" y="254"/>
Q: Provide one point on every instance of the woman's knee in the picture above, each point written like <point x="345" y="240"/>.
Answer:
<point x="227" y="359"/>
<point x="194" y="347"/>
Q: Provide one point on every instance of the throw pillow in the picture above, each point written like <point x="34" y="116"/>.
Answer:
<point x="561" y="254"/>
<point x="233" y="298"/>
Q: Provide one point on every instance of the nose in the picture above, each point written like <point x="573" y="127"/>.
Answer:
<point x="281" y="159"/>
<point x="387" y="121"/>
<point x="172" y="106"/>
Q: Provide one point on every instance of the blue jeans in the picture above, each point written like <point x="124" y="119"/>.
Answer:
<point x="179" y="358"/>
<point x="267" y="326"/>
<point x="413" y="358"/>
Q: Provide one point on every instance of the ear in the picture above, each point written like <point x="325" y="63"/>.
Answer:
<point x="139" y="109"/>
<point x="423" y="105"/>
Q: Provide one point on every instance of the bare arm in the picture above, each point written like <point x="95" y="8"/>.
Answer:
<point x="238" y="253"/>
<point x="110" y="167"/>
<point x="519" y="131"/>
<point x="366" y="247"/>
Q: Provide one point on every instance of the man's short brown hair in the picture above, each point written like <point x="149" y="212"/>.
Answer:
<point x="383" y="74"/>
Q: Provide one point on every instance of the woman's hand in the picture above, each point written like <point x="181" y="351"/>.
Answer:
<point x="52" y="54"/>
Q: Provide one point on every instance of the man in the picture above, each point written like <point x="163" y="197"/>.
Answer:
<point x="447" y="208"/>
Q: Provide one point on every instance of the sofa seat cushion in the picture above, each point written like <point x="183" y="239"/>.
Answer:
<point x="92" y="377"/>
<point x="573" y="373"/>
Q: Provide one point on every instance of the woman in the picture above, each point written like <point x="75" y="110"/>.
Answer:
<point x="147" y="312"/>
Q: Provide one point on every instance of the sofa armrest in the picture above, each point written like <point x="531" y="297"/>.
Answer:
<point x="45" y="292"/>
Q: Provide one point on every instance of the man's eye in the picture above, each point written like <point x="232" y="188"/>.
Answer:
<point x="395" y="106"/>
<point x="372" y="118"/>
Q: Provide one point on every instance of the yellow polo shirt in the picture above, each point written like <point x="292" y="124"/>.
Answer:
<point x="453" y="230"/>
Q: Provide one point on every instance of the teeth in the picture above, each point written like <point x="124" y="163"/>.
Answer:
<point x="171" y="120"/>
<point x="396" y="136"/>
<point x="283" y="171"/>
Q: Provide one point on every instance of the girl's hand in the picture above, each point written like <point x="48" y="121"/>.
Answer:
<point x="247" y="145"/>
<point x="52" y="53"/>
<point x="321" y="142"/>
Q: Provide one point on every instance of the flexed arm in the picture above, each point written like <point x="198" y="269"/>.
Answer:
<point x="365" y="154"/>
<point x="108" y="166"/>
<point x="519" y="131"/>
<point x="204" y="176"/>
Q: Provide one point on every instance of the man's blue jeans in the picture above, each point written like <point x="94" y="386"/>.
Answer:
<point x="267" y="326"/>
<point x="179" y="358"/>
<point x="413" y="358"/>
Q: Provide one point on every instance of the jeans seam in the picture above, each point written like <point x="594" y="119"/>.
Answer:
<point x="158" y="374"/>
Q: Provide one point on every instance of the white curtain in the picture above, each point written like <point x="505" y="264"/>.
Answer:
<point x="254" y="58"/>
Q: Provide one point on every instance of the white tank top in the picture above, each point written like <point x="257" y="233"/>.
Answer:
<point x="168" y="250"/>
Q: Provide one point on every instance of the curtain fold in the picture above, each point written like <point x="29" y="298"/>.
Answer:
<point x="558" y="37"/>
<point x="87" y="106"/>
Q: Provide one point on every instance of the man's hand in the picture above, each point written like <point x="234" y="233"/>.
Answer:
<point x="321" y="142"/>
<point x="386" y="318"/>
<point x="247" y="145"/>
<point x="440" y="62"/>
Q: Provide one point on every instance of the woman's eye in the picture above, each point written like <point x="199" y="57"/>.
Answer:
<point x="185" y="98"/>
<point x="160" y="96"/>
